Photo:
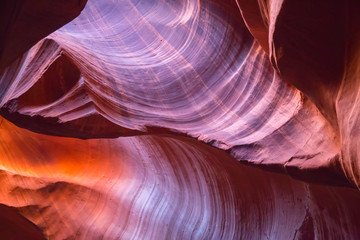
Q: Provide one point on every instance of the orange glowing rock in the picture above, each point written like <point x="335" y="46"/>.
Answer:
<point x="129" y="121"/>
<point x="160" y="187"/>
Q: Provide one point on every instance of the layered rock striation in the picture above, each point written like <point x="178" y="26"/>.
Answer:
<point x="161" y="187"/>
<point x="138" y="112"/>
<point x="128" y="68"/>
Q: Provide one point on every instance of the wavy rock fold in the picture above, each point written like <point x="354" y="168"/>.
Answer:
<point x="130" y="120"/>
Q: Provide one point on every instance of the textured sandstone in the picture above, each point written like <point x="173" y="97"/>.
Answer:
<point x="119" y="103"/>
<point x="314" y="45"/>
<point x="199" y="72"/>
<point x="162" y="187"/>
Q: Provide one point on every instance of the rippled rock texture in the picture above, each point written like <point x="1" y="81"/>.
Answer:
<point x="137" y="113"/>
<point x="162" y="187"/>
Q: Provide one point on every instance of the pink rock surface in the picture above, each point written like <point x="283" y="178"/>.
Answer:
<point x="315" y="47"/>
<point x="123" y="69"/>
<point x="120" y="103"/>
<point x="162" y="187"/>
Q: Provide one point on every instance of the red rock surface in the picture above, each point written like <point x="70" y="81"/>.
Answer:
<point x="25" y="22"/>
<point x="270" y="83"/>
<point x="162" y="187"/>
<point x="314" y="46"/>
<point x="113" y="72"/>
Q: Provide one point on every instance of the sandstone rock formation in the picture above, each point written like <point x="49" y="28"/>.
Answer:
<point x="162" y="187"/>
<point x="25" y="22"/>
<point x="314" y="46"/>
<point x="136" y="114"/>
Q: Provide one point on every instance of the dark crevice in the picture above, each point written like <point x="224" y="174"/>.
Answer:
<point x="59" y="78"/>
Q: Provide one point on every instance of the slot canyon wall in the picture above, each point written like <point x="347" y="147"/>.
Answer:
<point x="209" y="119"/>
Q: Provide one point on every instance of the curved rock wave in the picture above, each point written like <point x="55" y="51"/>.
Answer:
<point x="128" y="67"/>
<point x="315" y="47"/>
<point x="130" y="91"/>
<point x="152" y="187"/>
